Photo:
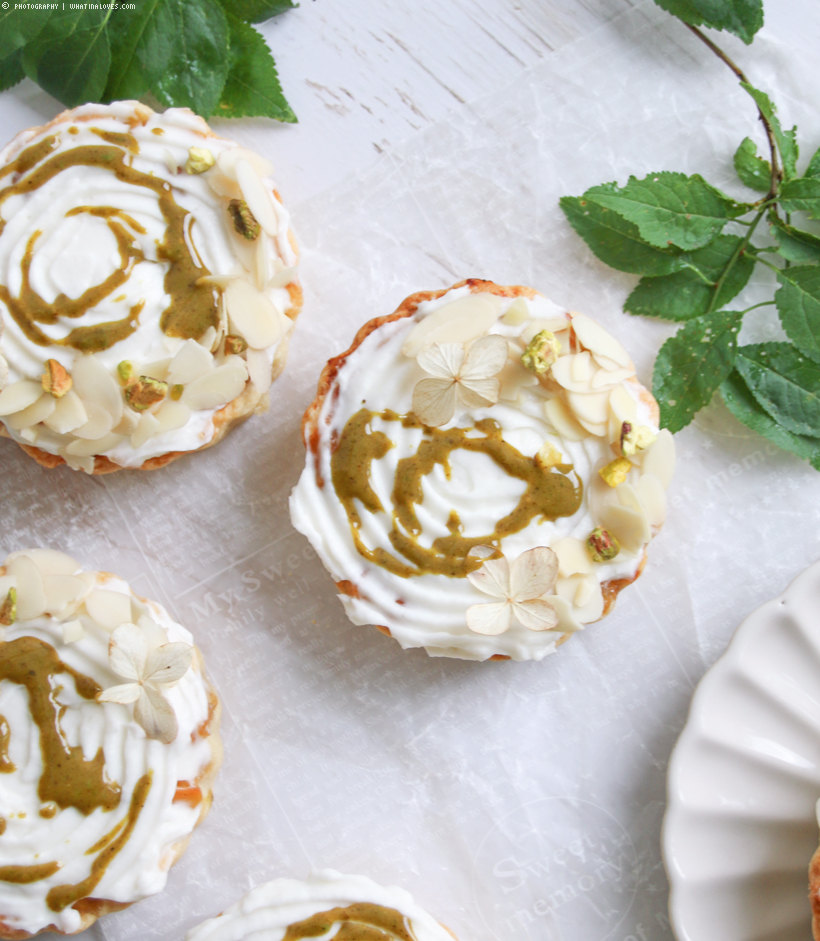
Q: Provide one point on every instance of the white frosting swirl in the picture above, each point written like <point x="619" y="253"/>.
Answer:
<point x="428" y="610"/>
<point x="266" y="912"/>
<point x="76" y="251"/>
<point x="140" y="867"/>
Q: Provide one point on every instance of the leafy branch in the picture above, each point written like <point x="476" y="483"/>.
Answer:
<point x="671" y="229"/>
<point x="201" y="54"/>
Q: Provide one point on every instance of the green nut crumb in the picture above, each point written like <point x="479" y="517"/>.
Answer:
<point x="541" y="352"/>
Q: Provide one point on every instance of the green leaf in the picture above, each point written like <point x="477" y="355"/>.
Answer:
<point x="754" y="171"/>
<point x="252" y="86"/>
<point x="813" y="169"/>
<point x="785" y="383"/>
<point x="798" y="304"/>
<point x="743" y="405"/>
<point x="786" y="140"/>
<point x="257" y="11"/>
<point x="794" y="245"/>
<point x="617" y="242"/>
<point x="741" y="17"/>
<point x="692" y="364"/>
<point x="71" y="56"/>
<point x="141" y="48"/>
<point x="687" y="294"/>
<point x="669" y="208"/>
<point x="196" y="73"/>
<point x="18" y="27"/>
<point x="801" y="194"/>
<point x="11" y="70"/>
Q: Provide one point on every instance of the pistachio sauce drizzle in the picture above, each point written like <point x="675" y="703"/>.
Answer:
<point x="61" y="896"/>
<point x="6" y="764"/>
<point x="193" y="308"/>
<point x="361" y="921"/>
<point x="67" y="779"/>
<point x="23" y="875"/>
<point x="550" y="492"/>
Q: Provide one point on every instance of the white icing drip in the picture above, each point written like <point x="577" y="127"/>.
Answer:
<point x="429" y="610"/>
<point x="77" y="252"/>
<point x="140" y="868"/>
<point x="265" y="913"/>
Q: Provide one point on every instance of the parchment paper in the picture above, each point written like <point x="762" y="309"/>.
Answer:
<point x="514" y="800"/>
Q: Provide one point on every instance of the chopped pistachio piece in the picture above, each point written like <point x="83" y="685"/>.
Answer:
<point x="56" y="379"/>
<point x="125" y="370"/>
<point x="176" y="391"/>
<point x="548" y="456"/>
<point x="616" y="471"/>
<point x="602" y="546"/>
<point x="634" y="439"/>
<point x="8" y="609"/>
<point x="244" y="221"/>
<point x="541" y="352"/>
<point x="235" y="344"/>
<point x="145" y="392"/>
<point x="199" y="160"/>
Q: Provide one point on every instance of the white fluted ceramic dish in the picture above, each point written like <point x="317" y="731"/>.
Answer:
<point x="744" y="778"/>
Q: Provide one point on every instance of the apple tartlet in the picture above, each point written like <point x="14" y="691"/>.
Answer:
<point x="327" y="904"/>
<point x="484" y="473"/>
<point x="147" y="287"/>
<point x="109" y="744"/>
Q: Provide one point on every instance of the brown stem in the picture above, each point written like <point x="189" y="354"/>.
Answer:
<point x="776" y="174"/>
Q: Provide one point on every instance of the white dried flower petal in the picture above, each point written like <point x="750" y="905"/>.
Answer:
<point x="123" y="694"/>
<point x="217" y="388"/>
<point x="478" y="393"/>
<point x="489" y="619"/>
<point x="190" y="362"/>
<point x="442" y="360"/>
<point x="31" y="592"/>
<point x="108" y="608"/>
<point x="533" y="573"/>
<point x="486" y="357"/>
<point x="493" y="578"/>
<point x="156" y="716"/>
<point x="168" y="664"/>
<point x="434" y="401"/>
<point x="536" y="615"/>
<point x="594" y="338"/>
<point x="257" y="196"/>
<point x="69" y="413"/>
<point x="459" y="321"/>
<point x="19" y="395"/>
<point x="127" y="652"/>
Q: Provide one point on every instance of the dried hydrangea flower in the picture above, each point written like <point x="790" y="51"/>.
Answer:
<point x="520" y="588"/>
<point x="468" y="379"/>
<point x="149" y="674"/>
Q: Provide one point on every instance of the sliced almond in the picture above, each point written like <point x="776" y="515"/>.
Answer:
<point x="594" y="338"/>
<point x="257" y="196"/>
<point x="146" y="429"/>
<point x="573" y="558"/>
<point x="555" y="325"/>
<point x="573" y="372"/>
<point x="283" y="278"/>
<point x="82" y="448"/>
<point x="593" y="607"/>
<point x="19" y="395"/>
<point x="217" y="388"/>
<point x="208" y="339"/>
<point x="261" y="261"/>
<point x="516" y="313"/>
<point x="31" y="593"/>
<point x="457" y="322"/>
<point x="84" y="464"/>
<point x="605" y="362"/>
<point x="259" y="369"/>
<point x="191" y="362"/>
<point x="567" y="621"/>
<point x="227" y="160"/>
<point x="594" y="428"/>
<point x="99" y="424"/>
<point x="4" y="372"/>
<point x="608" y="379"/>
<point x="109" y="609"/>
<point x="659" y="459"/>
<point x="33" y="414"/>
<point x="221" y="184"/>
<point x="653" y="498"/>
<point x="172" y="415"/>
<point x="128" y="425"/>
<point x="50" y="561"/>
<point x="591" y="408"/>
<point x="628" y="527"/>
<point x="563" y="421"/>
<point x="69" y="413"/>
<point x="63" y="592"/>
<point x="93" y="383"/>
<point x="158" y="369"/>
<point x="254" y="315"/>
<point x="73" y="631"/>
